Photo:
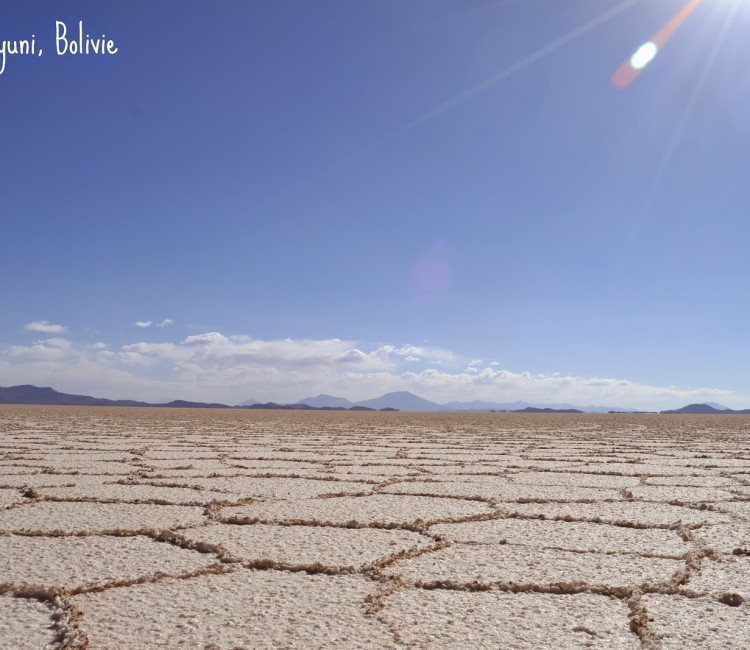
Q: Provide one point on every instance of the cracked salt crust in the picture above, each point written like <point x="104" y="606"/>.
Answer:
<point x="725" y="574"/>
<point x="39" y="480"/>
<point x="626" y="458"/>
<point x="136" y="493"/>
<point x="260" y="462"/>
<point x="25" y="624"/>
<point x="75" y="562"/>
<point x="580" y="536"/>
<point x="190" y="451"/>
<point x="524" y="621"/>
<point x="698" y="623"/>
<point x="9" y="497"/>
<point x="304" y="456"/>
<point x="84" y="467"/>
<point x="574" y="479"/>
<point x="67" y="456"/>
<point x="693" y="481"/>
<point x="725" y="464"/>
<point x="504" y="563"/>
<point x="501" y="489"/>
<point x="371" y="478"/>
<point x="309" y="545"/>
<point x="554" y="465"/>
<point x="253" y="609"/>
<point x="379" y="508"/>
<point x="76" y="517"/>
<point x="391" y="471"/>
<point x="450" y="471"/>
<point x="725" y="538"/>
<point x="185" y="462"/>
<point x="647" y="469"/>
<point x="175" y="475"/>
<point x="679" y="493"/>
<point x="276" y="488"/>
<point x="737" y="508"/>
<point x="633" y="512"/>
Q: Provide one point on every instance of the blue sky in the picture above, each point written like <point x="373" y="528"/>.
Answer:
<point x="443" y="196"/>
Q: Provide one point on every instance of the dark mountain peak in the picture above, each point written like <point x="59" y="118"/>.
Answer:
<point x="534" y="409"/>
<point x="698" y="409"/>
<point x="183" y="404"/>
<point x="707" y="409"/>
<point x="402" y="400"/>
<point x="326" y="401"/>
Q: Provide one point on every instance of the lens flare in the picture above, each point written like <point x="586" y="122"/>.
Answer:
<point x="643" y="55"/>
<point x="628" y="72"/>
<point x="430" y="276"/>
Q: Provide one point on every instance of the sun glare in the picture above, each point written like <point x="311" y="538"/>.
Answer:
<point x="644" y="55"/>
<point x="628" y="72"/>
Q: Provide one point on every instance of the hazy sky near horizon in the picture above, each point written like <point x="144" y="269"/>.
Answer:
<point x="273" y="199"/>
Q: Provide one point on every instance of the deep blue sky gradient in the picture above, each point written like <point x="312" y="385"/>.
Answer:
<point x="247" y="167"/>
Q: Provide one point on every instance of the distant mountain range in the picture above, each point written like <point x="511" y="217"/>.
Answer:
<point x="406" y="401"/>
<point x="396" y="401"/>
<point x="28" y="394"/>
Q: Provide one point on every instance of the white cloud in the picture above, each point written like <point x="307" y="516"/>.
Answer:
<point x="352" y="356"/>
<point x="58" y="343"/>
<point x="52" y="349"/>
<point x="215" y="367"/>
<point x="44" y="327"/>
<point x="206" y="339"/>
<point x="148" y="323"/>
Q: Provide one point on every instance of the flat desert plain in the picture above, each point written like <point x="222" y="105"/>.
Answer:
<point x="218" y="529"/>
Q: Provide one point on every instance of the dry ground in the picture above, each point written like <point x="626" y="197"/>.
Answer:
<point x="144" y="528"/>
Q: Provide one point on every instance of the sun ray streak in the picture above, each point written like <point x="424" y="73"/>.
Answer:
<point x="512" y="69"/>
<point x="460" y="98"/>
<point x="678" y="133"/>
<point x="631" y="68"/>
<point x="690" y="106"/>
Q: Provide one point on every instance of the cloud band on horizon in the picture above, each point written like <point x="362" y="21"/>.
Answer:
<point x="215" y="367"/>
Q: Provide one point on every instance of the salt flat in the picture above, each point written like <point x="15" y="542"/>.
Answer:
<point x="215" y="529"/>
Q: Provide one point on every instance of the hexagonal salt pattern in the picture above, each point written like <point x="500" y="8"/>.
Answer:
<point x="463" y="564"/>
<point x="563" y="535"/>
<point x="380" y="509"/>
<point x="230" y="529"/>
<point x="344" y="549"/>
